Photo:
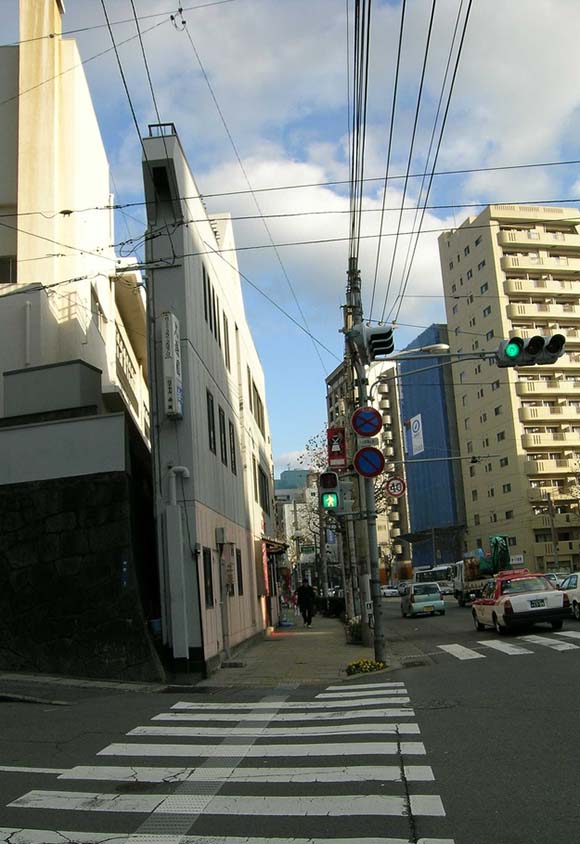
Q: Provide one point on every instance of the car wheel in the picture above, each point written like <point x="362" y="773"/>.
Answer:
<point x="557" y="625"/>
<point x="477" y="623"/>
<point x="499" y="628"/>
<point x="576" y="610"/>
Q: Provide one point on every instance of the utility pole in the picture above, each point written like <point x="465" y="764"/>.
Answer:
<point x="552" y="515"/>
<point x="353" y="315"/>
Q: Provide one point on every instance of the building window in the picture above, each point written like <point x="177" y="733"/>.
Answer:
<point x="501" y="436"/>
<point x="493" y="517"/>
<point x="233" y="461"/>
<point x="489" y="334"/>
<point x="469" y="274"/>
<point x="223" y="440"/>
<point x="205" y="296"/>
<point x="217" y="322"/>
<point x="97" y="313"/>
<point x="450" y="265"/>
<point x="214" y="313"/>
<point x="239" y="572"/>
<point x="474" y="495"/>
<point x="255" y="467"/>
<point x="264" y="490"/>
<point x="481" y="265"/>
<point x="506" y="488"/>
<point x="466" y="250"/>
<point x="467" y="423"/>
<point x="476" y="519"/>
<point x="208" y="577"/>
<point x="227" y="343"/>
<point x="453" y="288"/>
<point x="512" y="540"/>
<point x="495" y="386"/>
<point x="478" y="240"/>
<point x="486" y="442"/>
<point x="472" y="471"/>
<point x="249" y="374"/>
<point x="470" y="448"/>
<point x="211" y="422"/>
<point x="491" y="492"/>
<point x="470" y="299"/>
<point x="509" y="514"/>
<point x="484" y="287"/>
<point x="454" y="309"/>
<point x="483" y="418"/>
<point x="8" y="269"/>
<point x="497" y="411"/>
<point x="480" y="393"/>
<point x="503" y="461"/>
<point x="487" y="311"/>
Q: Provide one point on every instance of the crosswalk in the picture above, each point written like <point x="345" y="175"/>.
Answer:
<point x="347" y="766"/>
<point x="480" y="651"/>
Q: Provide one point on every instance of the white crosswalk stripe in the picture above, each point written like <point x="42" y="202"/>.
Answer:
<point x="268" y="764"/>
<point x="384" y="728"/>
<point x="461" y="652"/>
<point x="570" y="634"/>
<point x="506" y="648"/>
<point x="548" y="642"/>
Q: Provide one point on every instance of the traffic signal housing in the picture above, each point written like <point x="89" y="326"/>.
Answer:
<point x="373" y="343"/>
<point x="536" y="350"/>
<point x="329" y="491"/>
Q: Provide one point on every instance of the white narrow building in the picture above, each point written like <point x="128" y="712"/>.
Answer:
<point x="211" y="438"/>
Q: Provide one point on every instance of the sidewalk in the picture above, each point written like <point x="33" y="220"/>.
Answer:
<point x="318" y="654"/>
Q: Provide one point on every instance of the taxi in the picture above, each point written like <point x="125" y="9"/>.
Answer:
<point x="518" y="598"/>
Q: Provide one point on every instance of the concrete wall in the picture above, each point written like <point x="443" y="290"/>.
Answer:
<point x="61" y="449"/>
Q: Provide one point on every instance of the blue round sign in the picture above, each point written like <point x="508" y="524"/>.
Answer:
<point x="369" y="462"/>
<point x="366" y="421"/>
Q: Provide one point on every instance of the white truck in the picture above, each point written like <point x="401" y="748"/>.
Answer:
<point x="468" y="582"/>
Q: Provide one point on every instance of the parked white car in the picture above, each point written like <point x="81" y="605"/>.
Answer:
<point x="571" y="586"/>
<point x="389" y="592"/>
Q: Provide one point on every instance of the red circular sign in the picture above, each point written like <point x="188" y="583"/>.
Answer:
<point x="369" y="462"/>
<point x="396" y="487"/>
<point x="366" y="421"/>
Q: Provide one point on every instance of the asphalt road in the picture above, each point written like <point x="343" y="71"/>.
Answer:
<point x="488" y="754"/>
<point x="502" y="730"/>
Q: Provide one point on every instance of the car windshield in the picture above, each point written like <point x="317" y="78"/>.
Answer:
<point x="426" y="589"/>
<point x="526" y="584"/>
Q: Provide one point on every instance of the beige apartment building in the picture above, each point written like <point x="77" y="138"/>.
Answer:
<point x="514" y="270"/>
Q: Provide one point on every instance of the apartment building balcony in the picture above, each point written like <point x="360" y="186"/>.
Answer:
<point x="128" y="381"/>
<point x="539" y="495"/>
<point x="565" y="546"/>
<point x="539" y="287"/>
<point x="539" y="264"/>
<point x="551" y="440"/>
<point x="525" y="310"/>
<point x="561" y="520"/>
<point x="548" y="414"/>
<point x="550" y="467"/>
<point x="536" y="238"/>
<point x="547" y="388"/>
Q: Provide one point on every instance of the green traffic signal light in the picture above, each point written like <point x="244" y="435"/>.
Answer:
<point x="513" y="348"/>
<point x="329" y="500"/>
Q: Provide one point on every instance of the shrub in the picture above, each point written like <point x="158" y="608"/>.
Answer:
<point x="364" y="666"/>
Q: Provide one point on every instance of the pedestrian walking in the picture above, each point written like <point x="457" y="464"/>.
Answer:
<point x="306" y="601"/>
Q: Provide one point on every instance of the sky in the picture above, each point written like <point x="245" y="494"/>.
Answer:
<point x="278" y="74"/>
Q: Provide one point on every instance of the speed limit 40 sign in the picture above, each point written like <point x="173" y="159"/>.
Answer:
<point x="396" y="487"/>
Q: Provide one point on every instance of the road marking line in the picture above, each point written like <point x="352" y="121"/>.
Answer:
<point x="506" y="648"/>
<point x="460" y="652"/>
<point x="346" y="773"/>
<point x="13" y="769"/>
<point x="307" y="705"/>
<point x="365" y="686"/>
<point x="363" y="694"/>
<point x="386" y="728"/>
<point x="266" y="806"/>
<point x="571" y="634"/>
<point x="554" y="644"/>
<point x="49" y="836"/>
<point x="348" y="715"/>
<point x="211" y="751"/>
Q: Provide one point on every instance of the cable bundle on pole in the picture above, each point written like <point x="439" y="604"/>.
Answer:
<point x="360" y="76"/>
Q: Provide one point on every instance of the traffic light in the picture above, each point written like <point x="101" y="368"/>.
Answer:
<point x="373" y="343"/>
<point x="536" y="350"/>
<point x="329" y="491"/>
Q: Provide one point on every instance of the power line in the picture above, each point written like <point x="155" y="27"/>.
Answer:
<point x="389" y="147"/>
<point x="114" y="23"/>
<point x="246" y="177"/>
<point x="405" y="279"/>
<point x="411" y="148"/>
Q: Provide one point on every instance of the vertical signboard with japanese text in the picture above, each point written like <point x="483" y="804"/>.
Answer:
<point x="336" y="442"/>
<point x="417" y="444"/>
<point x="172" y="377"/>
